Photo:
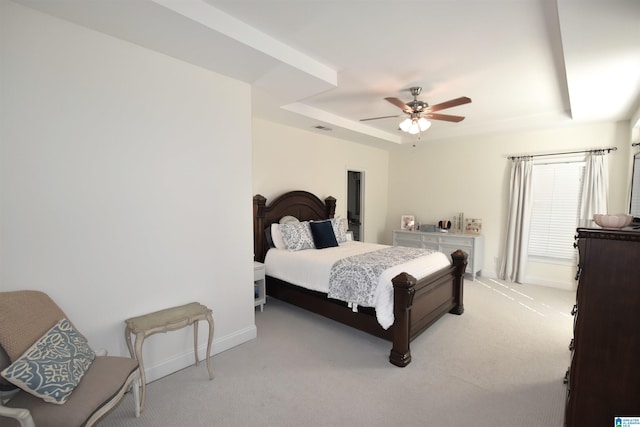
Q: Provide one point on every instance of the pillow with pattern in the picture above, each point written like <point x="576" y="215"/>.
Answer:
<point x="339" y="229"/>
<point x="297" y="236"/>
<point x="53" y="366"/>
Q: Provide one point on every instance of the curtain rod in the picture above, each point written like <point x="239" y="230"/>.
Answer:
<point x="596" y="150"/>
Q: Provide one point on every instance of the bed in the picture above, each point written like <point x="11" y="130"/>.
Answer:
<point x="416" y="303"/>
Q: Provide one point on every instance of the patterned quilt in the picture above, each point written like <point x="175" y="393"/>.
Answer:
<point x="354" y="279"/>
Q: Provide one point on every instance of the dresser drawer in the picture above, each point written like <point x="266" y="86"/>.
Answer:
<point x="416" y="240"/>
<point x="430" y="239"/>
<point x="450" y="248"/>
<point x="456" y="241"/>
<point x="258" y="271"/>
<point x="431" y="245"/>
<point x="409" y="238"/>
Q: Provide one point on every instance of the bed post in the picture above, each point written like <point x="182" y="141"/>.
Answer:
<point x="459" y="259"/>
<point x="259" y="203"/>
<point x="404" y="290"/>
<point x="330" y="203"/>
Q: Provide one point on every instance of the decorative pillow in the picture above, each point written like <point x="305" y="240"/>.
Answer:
<point x="276" y="237"/>
<point x="53" y="366"/>
<point x="297" y="236"/>
<point x="323" y="236"/>
<point x="339" y="229"/>
<point x="287" y="219"/>
<point x="268" y="240"/>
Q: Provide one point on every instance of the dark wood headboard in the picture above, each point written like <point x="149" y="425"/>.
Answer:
<point x="301" y="204"/>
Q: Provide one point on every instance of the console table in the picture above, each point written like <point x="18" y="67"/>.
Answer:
<point x="472" y="244"/>
<point x="169" y="319"/>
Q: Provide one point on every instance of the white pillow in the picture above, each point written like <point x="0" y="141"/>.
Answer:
<point x="276" y="236"/>
<point x="288" y="219"/>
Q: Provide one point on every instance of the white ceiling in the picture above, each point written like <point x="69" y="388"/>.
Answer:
<point x="526" y="64"/>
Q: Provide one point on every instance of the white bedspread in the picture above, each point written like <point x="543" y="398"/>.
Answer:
<point x="311" y="269"/>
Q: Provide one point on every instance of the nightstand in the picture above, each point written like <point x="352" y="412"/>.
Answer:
<point x="259" y="288"/>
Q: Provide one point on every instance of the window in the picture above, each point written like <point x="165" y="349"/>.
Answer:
<point x="556" y="189"/>
<point x="634" y="209"/>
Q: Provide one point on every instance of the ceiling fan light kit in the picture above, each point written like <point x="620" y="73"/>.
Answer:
<point x="415" y="125"/>
<point x="417" y="110"/>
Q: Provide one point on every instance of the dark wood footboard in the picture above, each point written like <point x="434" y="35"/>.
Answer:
<point x="419" y="303"/>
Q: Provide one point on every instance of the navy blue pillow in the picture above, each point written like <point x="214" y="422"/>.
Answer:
<point x="323" y="235"/>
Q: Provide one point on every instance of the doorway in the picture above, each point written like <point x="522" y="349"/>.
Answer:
<point x="355" y="190"/>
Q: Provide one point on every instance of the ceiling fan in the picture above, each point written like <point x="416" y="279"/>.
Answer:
<point x="420" y="111"/>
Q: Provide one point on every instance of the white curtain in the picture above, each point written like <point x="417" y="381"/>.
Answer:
<point x="595" y="186"/>
<point x="515" y="258"/>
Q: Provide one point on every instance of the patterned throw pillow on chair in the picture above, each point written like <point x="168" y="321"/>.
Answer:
<point x="53" y="366"/>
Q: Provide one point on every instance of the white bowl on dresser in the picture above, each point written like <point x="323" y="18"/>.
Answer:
<point x="612" y="221"/>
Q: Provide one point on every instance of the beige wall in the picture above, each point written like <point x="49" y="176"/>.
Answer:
<point x="438" y="179"/>
<point x="125" y="185"/>
<point x="286" y="159"/>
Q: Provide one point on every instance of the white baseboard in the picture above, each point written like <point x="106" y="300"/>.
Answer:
<point x="483" y="273"/>
<point x="186" y="359"/>
<point x="532" y="280"/>
<point x="567" y="286"/>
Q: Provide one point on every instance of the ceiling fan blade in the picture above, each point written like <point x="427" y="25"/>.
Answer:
<point x="448" y="104"/>
<point x="376" y="118"/>
<point x="401" y="105"/>
<point x="445" y="117"/>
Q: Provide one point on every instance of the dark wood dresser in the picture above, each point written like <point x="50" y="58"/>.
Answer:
<point x="603" y="380"/>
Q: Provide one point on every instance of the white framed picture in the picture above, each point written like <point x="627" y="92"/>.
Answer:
<point x="473" y="225"/>
<point x="408" y="222"/>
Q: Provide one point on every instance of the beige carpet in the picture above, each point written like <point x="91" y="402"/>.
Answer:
<point x="499" y="364"/>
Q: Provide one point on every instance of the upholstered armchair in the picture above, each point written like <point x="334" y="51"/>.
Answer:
<point x="60" y="380"/>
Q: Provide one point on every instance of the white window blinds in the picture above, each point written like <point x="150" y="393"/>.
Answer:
<point x="556" y="191"/>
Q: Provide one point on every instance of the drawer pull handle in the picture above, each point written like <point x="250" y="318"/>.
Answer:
<point x="571" y="344"/>
<point x="574" y="310"/>
<point x="579" y="272"/>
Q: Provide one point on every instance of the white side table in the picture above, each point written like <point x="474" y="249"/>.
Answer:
<point x="259" y="284"/>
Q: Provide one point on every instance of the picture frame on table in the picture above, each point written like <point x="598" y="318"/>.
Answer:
<point x="408" y="222"/>
<point x="473" y="226"/>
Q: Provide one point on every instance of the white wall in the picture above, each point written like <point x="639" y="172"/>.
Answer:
<point x="125" y="185"/>
<point x="285" y="159"/>
<point x="436" y="180"/>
